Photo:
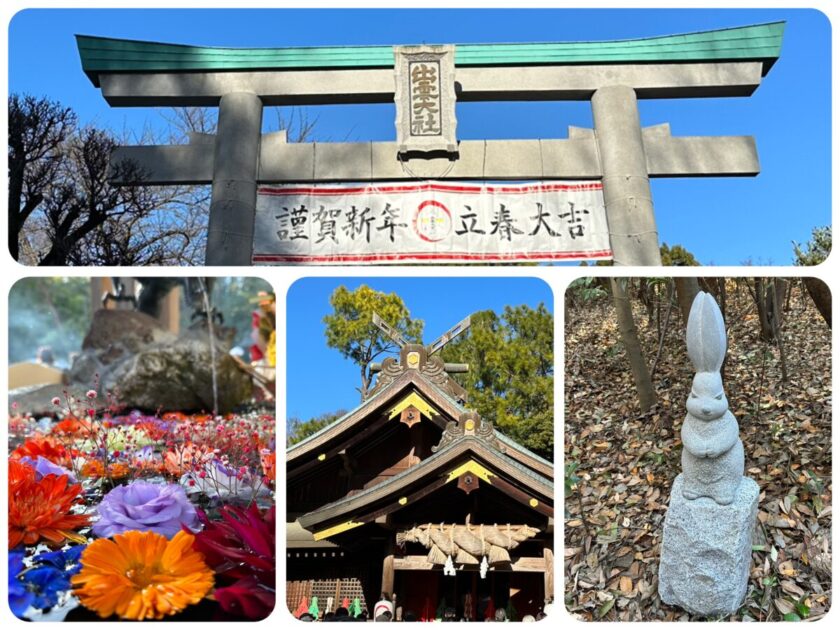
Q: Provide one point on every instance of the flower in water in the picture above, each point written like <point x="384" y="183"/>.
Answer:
<point x="144" y="506"/>
<point x="146" y="460"/>
<point x="116" y="439"/>
<point x="49" y="577"/>
<point x="142" y="575"/>
<point x="40" y="509"/>
<point x="74" y="426"/>
<point x="94" y="469"/>
<point x="268" y="460"/>
<point x="241" y="549"/>
<point x="44" y="467"/>
<point x="184" y="459"/>
<point x="46" y="447"/>
<point x="223" y="482"/>
<point x="19" y="596"/>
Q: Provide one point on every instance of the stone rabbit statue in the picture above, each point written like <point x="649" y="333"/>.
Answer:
<point x="713" y="455"/>
<point x="706" y="550"/>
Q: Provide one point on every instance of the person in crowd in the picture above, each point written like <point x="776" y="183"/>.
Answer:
<point x="385" y="604"/>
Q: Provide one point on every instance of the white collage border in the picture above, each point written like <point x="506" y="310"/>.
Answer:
<point x="558" y="278"/>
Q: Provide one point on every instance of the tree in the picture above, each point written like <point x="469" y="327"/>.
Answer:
<point x="816" y="251"/>
<point x="677" y="256"/>
<point x="511" y="377"/>
<point x="350" y="329"/>
<point x="62" y="207"/>
<point x="38" y="129"/>
<point x="630" y="339"/>
<point x="298" y="430"/>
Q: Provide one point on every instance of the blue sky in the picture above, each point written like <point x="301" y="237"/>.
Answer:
<point x="722" y="221"/>
<point x="319" y="379"/>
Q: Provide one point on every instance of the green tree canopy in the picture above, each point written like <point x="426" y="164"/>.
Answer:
<point x="350" y="329"/>
<point x="511" y="376"/>
<point x="677" y="256"/>
<point x="816" y="250"/>
<point x="298" y="430"/>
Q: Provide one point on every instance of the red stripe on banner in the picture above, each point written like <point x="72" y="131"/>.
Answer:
<point x="606" y="253"/>
<point x="358" y="190"/>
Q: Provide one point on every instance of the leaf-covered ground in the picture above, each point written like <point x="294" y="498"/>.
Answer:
<point x="620" y="464"/>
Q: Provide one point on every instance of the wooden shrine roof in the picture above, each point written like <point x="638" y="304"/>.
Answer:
<point x="466" y="453"/>
<point x="331" y="440"/>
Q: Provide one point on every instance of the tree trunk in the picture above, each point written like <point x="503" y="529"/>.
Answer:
<point x="646" y="296"/>
<point x="768" y="293"/>
<point x="366" y="378"/>
<point x="820" y="293"/>
<point x="630" y="339"/>
<point x="687" y="290"/>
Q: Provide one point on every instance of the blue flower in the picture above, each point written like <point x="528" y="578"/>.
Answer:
<point x="45" y="584"/>
<point x="41" y="585"/>
<point x="66" y="560"/>
<point x="19" y="597"/>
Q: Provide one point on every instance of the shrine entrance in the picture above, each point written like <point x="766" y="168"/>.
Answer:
<point x="275" y="201"/>
<point x="425" y="593"/>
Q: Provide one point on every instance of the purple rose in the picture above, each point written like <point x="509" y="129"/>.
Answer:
<point x="143" y="506"/>
<point x="44" y="467"/>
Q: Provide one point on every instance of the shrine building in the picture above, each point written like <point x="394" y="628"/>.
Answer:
<point x="413" y="494"/>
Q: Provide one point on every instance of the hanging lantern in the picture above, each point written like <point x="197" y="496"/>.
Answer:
<point x="482" y="569"/>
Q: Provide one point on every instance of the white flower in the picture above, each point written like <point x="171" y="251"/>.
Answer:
<point x="221" y="482"/>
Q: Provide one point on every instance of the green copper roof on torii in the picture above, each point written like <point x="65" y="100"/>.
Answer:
<point x="759" y="42"/>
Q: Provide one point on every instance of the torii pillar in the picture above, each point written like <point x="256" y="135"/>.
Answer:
<point x="236" y="160"/>
<point x="627" y="196"/>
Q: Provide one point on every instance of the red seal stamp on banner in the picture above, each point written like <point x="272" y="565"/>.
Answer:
<point x="432" y="221"/>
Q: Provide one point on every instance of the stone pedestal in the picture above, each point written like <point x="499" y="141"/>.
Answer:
<point x="706" y="551"/>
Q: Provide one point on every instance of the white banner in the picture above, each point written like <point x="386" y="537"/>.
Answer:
<point x="431" y="222"/>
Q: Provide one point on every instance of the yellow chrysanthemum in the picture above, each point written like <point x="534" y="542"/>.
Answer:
<point x="142" y="575"/>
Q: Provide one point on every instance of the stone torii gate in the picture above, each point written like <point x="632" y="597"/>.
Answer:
<point x="611" y="75"/>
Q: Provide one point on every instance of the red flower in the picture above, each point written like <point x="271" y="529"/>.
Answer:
<point x="46" y="447"/>
<point x="41" y="509"/>
<point x="241" y="550"/>
<point x="268" y="459"/>
<point x="246" y="598"/>
<point x="73" y="426"/>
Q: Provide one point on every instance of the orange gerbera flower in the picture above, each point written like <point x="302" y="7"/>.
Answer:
<point x="46" y="447"/>
<point x="74" y="426"/>
<point x="40" y="509"/>
<point x="185" y="459"/>
<point x="142" y="575"/>
<point x="94" y="468"/>
<point x="268" y="459"/>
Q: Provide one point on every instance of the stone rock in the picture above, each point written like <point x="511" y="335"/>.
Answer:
<point x="37" y="399"/>
<point x="146" y="367"/>
<point x="177" y="376"/>
<point x="127" y="330"/>
<point x="707" y="550"/>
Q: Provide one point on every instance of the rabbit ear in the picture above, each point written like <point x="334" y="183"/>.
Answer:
<point x="706" y="334"/>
